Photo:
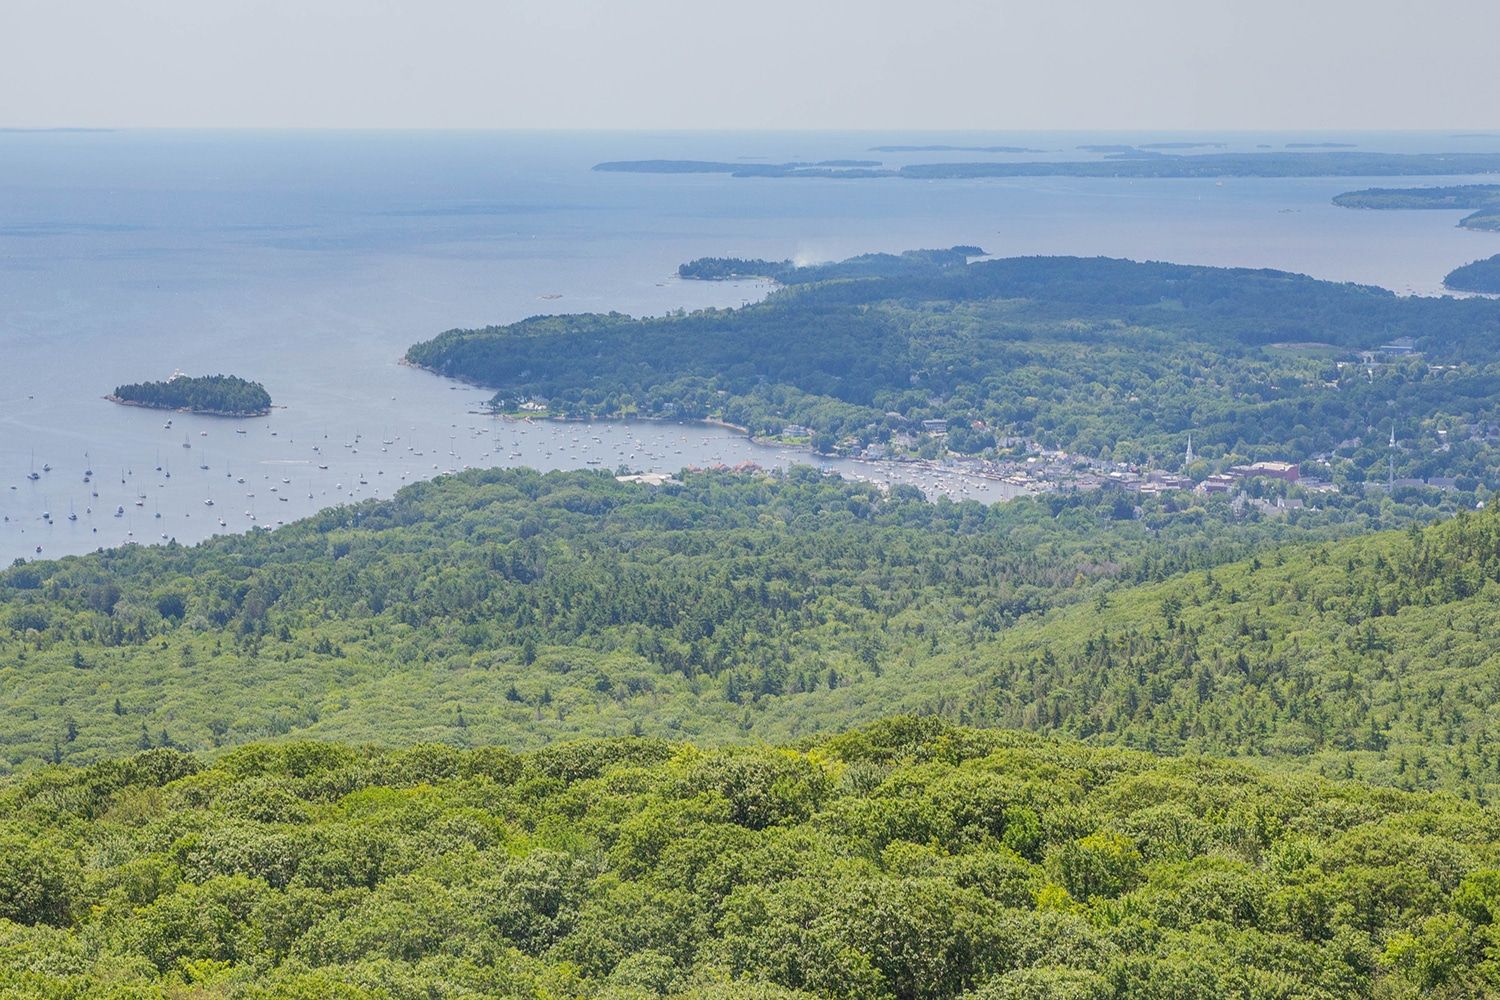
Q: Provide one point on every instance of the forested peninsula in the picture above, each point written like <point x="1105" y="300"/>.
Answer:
<point x="216" y="395"/>
<point x="1103" y="358"/>
<point x="1480" y="276"/>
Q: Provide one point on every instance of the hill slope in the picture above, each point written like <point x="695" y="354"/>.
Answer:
<point x="511" y="606"/>
<point x="515" y="607"/>
<point x="1377" y="656"/>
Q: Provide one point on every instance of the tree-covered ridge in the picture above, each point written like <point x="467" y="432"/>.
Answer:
<point x="1378" y="656"/>
<point x="227" y="395"/>
<point x="904" y="861"/>
<point x="1483" y="198"/>
<point x="1097" y="356"/>
<point x="1480" y="276"/>
<point x="519" y="607"/>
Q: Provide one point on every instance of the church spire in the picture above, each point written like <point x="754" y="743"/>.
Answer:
<point x="1390" y="481"/>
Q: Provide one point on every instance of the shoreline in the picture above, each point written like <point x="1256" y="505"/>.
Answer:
<point x="815" y="458"/>
<point x="228" y="414"/>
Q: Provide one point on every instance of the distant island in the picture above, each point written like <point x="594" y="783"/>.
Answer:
<point x="1480" y="276"/>
<point x="215" y="395"/>
<point x="1125" y="162"/>
<point x="871" y="265"/>
<point x="827" y="168"/>
<point x="1482" y="199"/>
<point x="954" y="149"/>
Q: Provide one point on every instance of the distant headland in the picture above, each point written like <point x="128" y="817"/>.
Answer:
<point x="1482" y="200"/>
<point x="214" y="395"/>
<point x="1480" y="276"/>
<point x="1118" y="161"/>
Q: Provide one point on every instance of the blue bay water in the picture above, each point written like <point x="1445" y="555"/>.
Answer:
<point x="310" y="261"/>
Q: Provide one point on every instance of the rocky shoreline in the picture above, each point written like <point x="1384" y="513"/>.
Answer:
<point x="236" y="414"/>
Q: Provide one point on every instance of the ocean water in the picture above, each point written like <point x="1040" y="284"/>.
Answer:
<point x="310" y="260"/>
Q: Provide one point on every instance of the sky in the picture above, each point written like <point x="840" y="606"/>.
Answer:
<point x="751" y="64"/>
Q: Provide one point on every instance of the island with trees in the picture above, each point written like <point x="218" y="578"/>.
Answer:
<point x="1482" y="200"/>
<point x="1480" y="276"/>
<point x="214" y="395"/>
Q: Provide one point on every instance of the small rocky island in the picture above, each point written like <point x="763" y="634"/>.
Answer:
<point x="216" y="395"/>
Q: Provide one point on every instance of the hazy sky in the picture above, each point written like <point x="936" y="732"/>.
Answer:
<point x="1127" y="64"/>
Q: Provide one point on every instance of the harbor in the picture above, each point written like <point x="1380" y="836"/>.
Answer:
<point x="153" y="478"/>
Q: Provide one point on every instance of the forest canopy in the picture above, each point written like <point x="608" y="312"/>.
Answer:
<point x="907" y="860"/>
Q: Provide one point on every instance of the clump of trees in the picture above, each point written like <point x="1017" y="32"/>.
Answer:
<point x="229" y="395"/>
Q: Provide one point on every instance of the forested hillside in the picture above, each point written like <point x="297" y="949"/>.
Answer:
<point x="1104" y="358"/>
<point x="507" y="606"/>
<point x="904" y="861"/>
<point x="1378" y="657"/>
<point x="517" y="607"/>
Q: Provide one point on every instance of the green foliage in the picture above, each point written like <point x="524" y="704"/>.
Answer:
<point x="872" y="867"/>
<point x="222" y="394"/>
<point x="1376" y="656"/>
<point x="517" y="607"/>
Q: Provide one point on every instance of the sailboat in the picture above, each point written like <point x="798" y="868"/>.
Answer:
<point x="33" y="475"/>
